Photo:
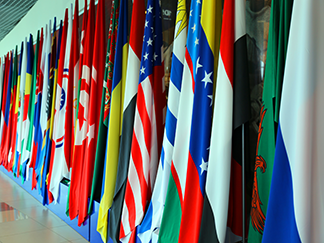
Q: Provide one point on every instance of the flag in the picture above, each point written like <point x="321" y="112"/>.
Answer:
<point x="4" y="97"/>
<point x="72" y="88"/>
<point x="45" y="122"/>
<point x="274" y="70"/>
<point x="148" y="126"/>
<point x="14" y="113"/>
<point x="150" y="226"/>
<point x="59" y="167"/>
<point x="31" y="108"/>
<point x="295" y="209"/>
<point x="5" y="133"/>
<point x="115" y="120"/>
<point x="98" y="173"/>
<point x="132" y="74"/>
<point x="171" y="219"/>
<point x="96" y="87"/>
<point x="22" y="83"/>
<point x="37" y="104"/>
<point x="76" y="94"/>
<point x="26" y="112"/>
<point x="199" y="141"/>
<point x="40" y="131"/>
<point x="47" y="195"/>
<point x="82" y="135"/>
<point x="231" y="109"/>
<point x="2" y="77"/>
<point x="18" y="111"/>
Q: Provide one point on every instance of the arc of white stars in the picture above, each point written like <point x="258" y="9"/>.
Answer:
<point x="203" y="166"/>
<point x="190" y="12"/>
<point x="149" y="42"/>
<point x="198" y="65"/>
<point x="207" y="79"/>
<point x="198" y="1"/>
<point x="152" y="29"/>
<point x="146" y="23"/>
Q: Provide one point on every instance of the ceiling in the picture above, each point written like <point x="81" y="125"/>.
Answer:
<point x="11" y="12"/>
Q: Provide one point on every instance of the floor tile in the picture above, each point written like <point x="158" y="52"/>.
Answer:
<point x="67" y="232"/>
<point x="35" y="223"/>
<point x="44" y="235"/>
<point x="80" y="241"/>
<point x="18" y="227"/>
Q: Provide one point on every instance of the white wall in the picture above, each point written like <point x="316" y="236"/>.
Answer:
<point x="37" y="17"/>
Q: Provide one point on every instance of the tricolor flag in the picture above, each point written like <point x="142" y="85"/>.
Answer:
<point x="18" y="106"/>
<point x="206" y="47"/>
<point x="295" y="207"/>
<point x="14" y="113"/>
<point x="274" y="71"/>
<point x="59" y="167"/>
<point x="148" y="126"/>
<point x="171" y="219"/>
<point x="132" y="74"/>
<point x="4" y="95"/>
<point x="26" y="118"/>
<point x="31" y="108"/>
<point x="231" y="109"/>
<point x="98" y="173"/>
<point x="149" y="228"/>
<point x="2" y="70"/>
<point x="115" y="119"/>
<point x="8" y="103"/>
<point x="22" y="83"/>
<point x="82" y="136"/>
<point x="96" y="87"/>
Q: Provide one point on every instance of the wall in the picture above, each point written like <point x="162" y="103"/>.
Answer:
<point x="38" y="16"/>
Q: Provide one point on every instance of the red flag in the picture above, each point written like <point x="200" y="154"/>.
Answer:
<point x="82" y="133"/>
<point x="97" y="76"/>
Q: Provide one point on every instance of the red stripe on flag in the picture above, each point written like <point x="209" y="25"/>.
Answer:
<point x="190" y="65"/>
<point x="130" y="202"/>
<point x="227" y="40"/>
<point x="138" y="163"/>
<point x="177" y="183"/>
<point x="193" y="209"/>
<point x="143" y="113"/>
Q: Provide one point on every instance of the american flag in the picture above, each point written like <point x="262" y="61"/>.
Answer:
<point x="148" y="125"/>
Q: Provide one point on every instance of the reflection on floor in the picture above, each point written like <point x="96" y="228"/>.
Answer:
<point x="24" y="219"/>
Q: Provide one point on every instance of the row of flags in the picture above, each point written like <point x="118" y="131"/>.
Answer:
<point x="170" y="171"/>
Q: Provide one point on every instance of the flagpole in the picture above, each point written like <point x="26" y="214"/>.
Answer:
<point x="243" y="184"/>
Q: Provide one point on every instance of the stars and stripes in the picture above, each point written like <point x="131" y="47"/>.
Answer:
<point x="148" y="126"/>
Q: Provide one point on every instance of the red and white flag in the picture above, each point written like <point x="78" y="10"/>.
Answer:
<point x="82" y="135"/>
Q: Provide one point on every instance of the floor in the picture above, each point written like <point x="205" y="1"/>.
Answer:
<point x="24" y="219"/>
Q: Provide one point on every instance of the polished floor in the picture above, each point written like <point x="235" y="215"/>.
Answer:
<point x="25" y="220"/>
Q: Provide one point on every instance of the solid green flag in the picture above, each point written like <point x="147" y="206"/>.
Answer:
<point x="275" y="64"/>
